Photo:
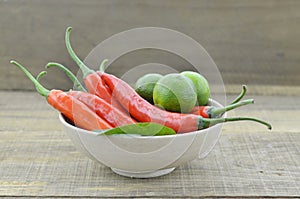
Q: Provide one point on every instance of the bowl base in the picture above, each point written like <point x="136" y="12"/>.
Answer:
<point x="150" y="174"/>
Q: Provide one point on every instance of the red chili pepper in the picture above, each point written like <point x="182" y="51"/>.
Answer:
<point x="73" y="109"/>
<point x="143" y="111"/>
<point x="92" y="80"/>
<point x="213" y="112"/>
<point x="103" y="109"/>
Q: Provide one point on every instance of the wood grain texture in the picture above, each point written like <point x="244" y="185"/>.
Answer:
<point x="38" y="159"/>
<point x="252" y="42"/>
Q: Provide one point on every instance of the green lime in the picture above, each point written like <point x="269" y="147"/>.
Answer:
<point x="145" y="84"/>
<point x="175" y="92"/>
<point x="201" y="85"/>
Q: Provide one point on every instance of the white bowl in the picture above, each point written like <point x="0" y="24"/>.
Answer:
<point x="144" y="156"/>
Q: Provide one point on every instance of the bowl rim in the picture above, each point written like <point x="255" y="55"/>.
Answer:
<point x="65" y="123"/>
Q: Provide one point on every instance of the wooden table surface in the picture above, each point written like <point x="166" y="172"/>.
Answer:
<point x="38" y="159"/>
<point x="252" y="42"/>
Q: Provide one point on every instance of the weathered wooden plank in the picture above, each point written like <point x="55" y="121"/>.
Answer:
<point x="242" y="164"/>
<point x="252" y="42"/>
<point x="37" y="159"/>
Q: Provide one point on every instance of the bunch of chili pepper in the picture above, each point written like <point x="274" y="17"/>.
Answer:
<point x="84" y="109"/>
<point x="110" y="102"/>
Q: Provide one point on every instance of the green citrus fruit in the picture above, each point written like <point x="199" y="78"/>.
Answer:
<point x="175" y="92"/>
<point x="201" y="85"/>
<point x="144" y="86"/>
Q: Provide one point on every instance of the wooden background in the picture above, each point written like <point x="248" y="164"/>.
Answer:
<point x="252" y="42"/>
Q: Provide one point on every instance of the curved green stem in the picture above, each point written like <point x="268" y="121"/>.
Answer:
<point x="102" y="65"/>
<point x="241" y="95"/>
<point x="217" y="111"/>
<point x="40" y="75"/>
<point x="72" y="77"/>
<point x="40" y="89"/>
<point x="207" y="122"/>
<point x="85" y="70"/>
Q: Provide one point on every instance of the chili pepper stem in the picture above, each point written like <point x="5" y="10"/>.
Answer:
<point x="102" y="65"/>
<point x="206" y="122"/>
<point x="40" y="75"/>
<point x="72" y="77"/>
<point x="85" y="70"/>
<point x="40" y="89"/>
<point x="218" y="111"/>
<point x="241" y="95"/>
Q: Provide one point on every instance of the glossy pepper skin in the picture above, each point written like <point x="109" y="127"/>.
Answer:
<point x="81" y="115"/>
<point x="95" y="85"/>
<point x="105" y="110"/>
<point x="143" y="111"/>
<point x="204" y="111"/>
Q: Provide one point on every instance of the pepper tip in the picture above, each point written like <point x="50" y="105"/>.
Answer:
<point x="48" y="65"/>
<point x="270" y="127"/>
<point x="69" y="28"/>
